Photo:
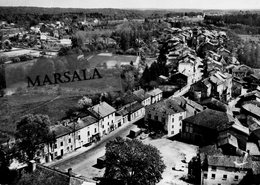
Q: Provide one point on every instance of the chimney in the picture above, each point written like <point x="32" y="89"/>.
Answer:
<point x="70" y="172"/>
<point x="32" y="165"/>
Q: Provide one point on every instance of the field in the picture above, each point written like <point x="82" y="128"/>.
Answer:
<point x="255" y="38"/>
<point x="111" y="60"/>
<point x="18" y="52"/>
<point x="13" y="107"/>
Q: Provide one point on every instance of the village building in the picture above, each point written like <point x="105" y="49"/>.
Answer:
<point x="221" y="85"/>
<point x="105" y="114"/>
<point x="168" y="114"/>
<point x="156" y="95"/>
<point x="226" y="170"/>
<point x="191" y="66"/>
<point x="145" y="98"/>
<point x="85" y="130"/>
<point x="64" y="144"/>
<point x="207" y="126"/>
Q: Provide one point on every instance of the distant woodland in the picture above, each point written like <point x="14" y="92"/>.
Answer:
<point x="242" y="23"/>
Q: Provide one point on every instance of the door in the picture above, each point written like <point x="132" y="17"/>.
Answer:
<point x="61" y="152"/>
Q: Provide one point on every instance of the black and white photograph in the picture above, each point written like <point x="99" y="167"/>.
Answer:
<point x="129" y="92"/>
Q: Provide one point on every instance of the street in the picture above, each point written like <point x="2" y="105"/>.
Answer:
<point x="83" y="163"/>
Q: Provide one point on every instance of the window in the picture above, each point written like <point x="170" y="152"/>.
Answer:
<point x="68" y="148"/>
<point x="172" y="126"/>
<point x="180" y="118"/>
<point x="55" y="146"/>
<point x="71" y="147"/>
<point x="95" y="130"/>
<point x="88" y="133"/>
<point x="102" y="126"/>
<point x="224" y="177"/>
<point x="61" y="143"/>
<point x="172" y="119"/>
<point x="69" y="140"/>
<point x="78" y="137"/>
<point x="55" y="154"/>
<point x="112" y="121"/>
<point x="213" y="176"/>
<point x="205" y="175"/>
<point x="213" y="168"/>
<point x="236" y="178"/>
<point x="149" y="116"/>
<point x="172" y="132"/>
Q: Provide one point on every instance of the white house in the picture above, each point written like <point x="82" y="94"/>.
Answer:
<point x="156" y="95"/>
<point x="64" y="141"/>
<point x="86" y="129"/>
<point x="169" y="113"/>
<point x="190" y="66"/>
<point x="225" y="170"/>
<point x="106" y="116"/>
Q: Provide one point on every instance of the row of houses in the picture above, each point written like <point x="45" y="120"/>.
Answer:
<point x="96" y="122"/>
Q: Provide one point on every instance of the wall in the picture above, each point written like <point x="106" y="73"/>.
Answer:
<point x="105" y="124"/>
<point x="174" y="123"/>
<point x="219" y="172"/>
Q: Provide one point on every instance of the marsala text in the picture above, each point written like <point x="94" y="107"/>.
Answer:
<point x="65" y="77"/>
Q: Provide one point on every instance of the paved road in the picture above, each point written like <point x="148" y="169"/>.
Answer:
<point x="83" y="163"/>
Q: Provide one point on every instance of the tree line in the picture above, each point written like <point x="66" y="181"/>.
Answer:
<point x="247" y="23"/>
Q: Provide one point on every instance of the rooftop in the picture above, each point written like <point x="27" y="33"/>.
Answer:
<point x="216" y="120"/>
<point x="103" y="109"/>
<point x="254" y="109"/>
<point x="60" y="130"/>
<point x="141" y="94"/>
<point x="84" y="122"/>
<point x="227" y="138"/>
<point x="167" y="106"/>
<point x="229" y="161"/>
<point x="154" y="92"/>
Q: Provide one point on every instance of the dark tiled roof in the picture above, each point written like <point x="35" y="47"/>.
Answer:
<point x="56" y="177"/>
<point x="86" y="121"/>
<point x="215" y="104"/>
<point x="60" y="130"/>
<point x="122" y="112"/>
<point x="141" y="94"/>
<point x="130" y="98"/>
<point x="212" y="119"/>
<point x="229" y="161"/>
<point x="133" y="107"/>
<point x="256" y="133"/>
<point x="227" y="138"/>
<point x="167" y="106"/>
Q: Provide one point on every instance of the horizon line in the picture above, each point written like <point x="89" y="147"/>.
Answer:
<point x="143" y="9"/>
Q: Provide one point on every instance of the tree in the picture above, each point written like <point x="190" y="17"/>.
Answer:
<point x="84" y="102"/>
<point x="133" y="162"/>
<point x="32" y="133"/>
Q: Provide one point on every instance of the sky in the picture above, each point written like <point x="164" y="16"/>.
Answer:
<point x="140" y="4"/>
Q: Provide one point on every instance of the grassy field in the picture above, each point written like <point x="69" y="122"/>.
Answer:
<point x="13" y="107"/>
